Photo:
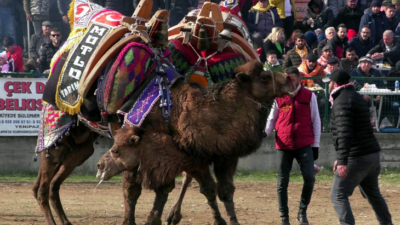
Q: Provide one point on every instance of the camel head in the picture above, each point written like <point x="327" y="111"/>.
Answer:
<point x="262" y="85"/>
<point x="122" y="156"/>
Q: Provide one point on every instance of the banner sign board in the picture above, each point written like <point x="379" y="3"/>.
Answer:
<point x="21" y="106"/>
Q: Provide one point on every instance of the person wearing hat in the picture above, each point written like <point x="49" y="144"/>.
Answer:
<point x="350" y="15"/>
<point x="388" y="50"/>
<point x="298" y="129"/>
<point x="37" y="11"/>
<point x="333" y="64"/>
<point x="396" y="3"/>
<point x="311" y="68"/>
<point x="318" y="17"/>
<point x="363" y="43"/>
<point x="327" y="53"/>
<point x="377" y="21"/>
<point x="365" y="70"/>
<point x="350" y="62"/>
<point x="357" y="151"/>
<point x="38" y="39"/>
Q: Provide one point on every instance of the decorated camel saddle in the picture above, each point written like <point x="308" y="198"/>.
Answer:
<point x="109" y="62"/>
<point x="208" y="44"/>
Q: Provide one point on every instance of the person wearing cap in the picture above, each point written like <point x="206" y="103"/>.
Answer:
<point x="298" y="54"/>
<point x="311" y="68"/>
<point x="363" y="43"/>
<point x="333" y="64"/>
<point x="327" y="53"/>
<point x="365" y="70"/>
<point x="396" y="3"/>
<point x="37" y="11"/>
<point x="339" y="42"/>
<point x="388" y="50"/>
<point x="357" y="151"/>
<point x="377" y="21"/>
<point x="38" y="39"/>
<point x="329" y="33"/>
<point x="350" y="15"/>
<point x="318" y="17"/>
<point x="298" y="129"/>
<point x="350" y="62"/>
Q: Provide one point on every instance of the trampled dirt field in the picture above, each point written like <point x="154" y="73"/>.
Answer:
<point x="256" y="203"/>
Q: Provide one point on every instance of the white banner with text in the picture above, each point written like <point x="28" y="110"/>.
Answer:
<point x="21" y="106"/>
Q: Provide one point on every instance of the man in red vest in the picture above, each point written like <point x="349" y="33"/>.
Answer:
<point x="298" y="130"/>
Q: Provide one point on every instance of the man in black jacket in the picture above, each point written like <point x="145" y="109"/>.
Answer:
<point x="362" y="43"/>
<point x="357" y="150"/>
<point x="388" y="49"/>
<point x="49" y="49"/>
<point x="339" y="42"/>
<point x="350" y="15"/>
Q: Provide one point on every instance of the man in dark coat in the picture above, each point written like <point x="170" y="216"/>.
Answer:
<point x="362" y="43"/>
<point x="388" y="50"/>
<point x="339" y="42"/>
<point x="49" y="49"/>
<point x="393" y="16"/>
<point x="330" y="32"/>
<point x="357" y="151"/>
<point x="295" y="56"/>
<point x="350" y="15"/>
<point x="318" y="18"/>
<point x="376" y="20"/>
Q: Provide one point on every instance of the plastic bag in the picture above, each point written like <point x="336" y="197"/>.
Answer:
<point x="372" y="113"/>
<point x="385" y="123"/>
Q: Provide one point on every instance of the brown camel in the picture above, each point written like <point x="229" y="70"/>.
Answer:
<point x="216" y="127"/>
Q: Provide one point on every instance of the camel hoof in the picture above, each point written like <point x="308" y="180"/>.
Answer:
<point x="126" y="222"/>
<point x="173" y="218"/>
<point x="219" y="221"/>
<point x="153" y="220"/>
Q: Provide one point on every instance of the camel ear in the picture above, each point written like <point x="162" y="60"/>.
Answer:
<point x="134" y="140"/>
<point x="243" y="77"/>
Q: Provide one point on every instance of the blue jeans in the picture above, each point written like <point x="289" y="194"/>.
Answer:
<point x="311" y="37"/>
<point x="7" y="24"/>
<point x="363" y="171"/>
<point x="305" y="159"/>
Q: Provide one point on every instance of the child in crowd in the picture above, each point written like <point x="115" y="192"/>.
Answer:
<point x="4" y="67"/>
<point x="272" y="62"/>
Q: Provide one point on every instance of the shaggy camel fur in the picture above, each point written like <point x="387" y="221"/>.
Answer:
<point x="216" y="127"/>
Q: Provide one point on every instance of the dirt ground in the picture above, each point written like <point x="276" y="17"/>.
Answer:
<point x="256" y="203"/>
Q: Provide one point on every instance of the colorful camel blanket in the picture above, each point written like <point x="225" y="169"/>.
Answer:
<point x="157" y="89"/>
<point x="54" y="124"/>
<point x="90" y="24"/>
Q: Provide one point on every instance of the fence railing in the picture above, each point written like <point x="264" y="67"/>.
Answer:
<point x="387" y="103"/>
<point x="379" y="93"/>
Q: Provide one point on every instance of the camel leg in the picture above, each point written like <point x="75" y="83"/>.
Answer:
<point x="72" y="160"/>
<point x="42" y="185"/>
<point x="209" y="189"/>
<point x="224" y="170"/>
<point x="132" y="191"/>
<point x="162" y="193"/>
<point x="174" y="216"/>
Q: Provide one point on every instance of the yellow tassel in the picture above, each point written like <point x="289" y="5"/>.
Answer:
<point x="71" y="14"/>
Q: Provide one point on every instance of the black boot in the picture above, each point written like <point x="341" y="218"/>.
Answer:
<point x="285" y="221"/>
<point x="302" y="218"/>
